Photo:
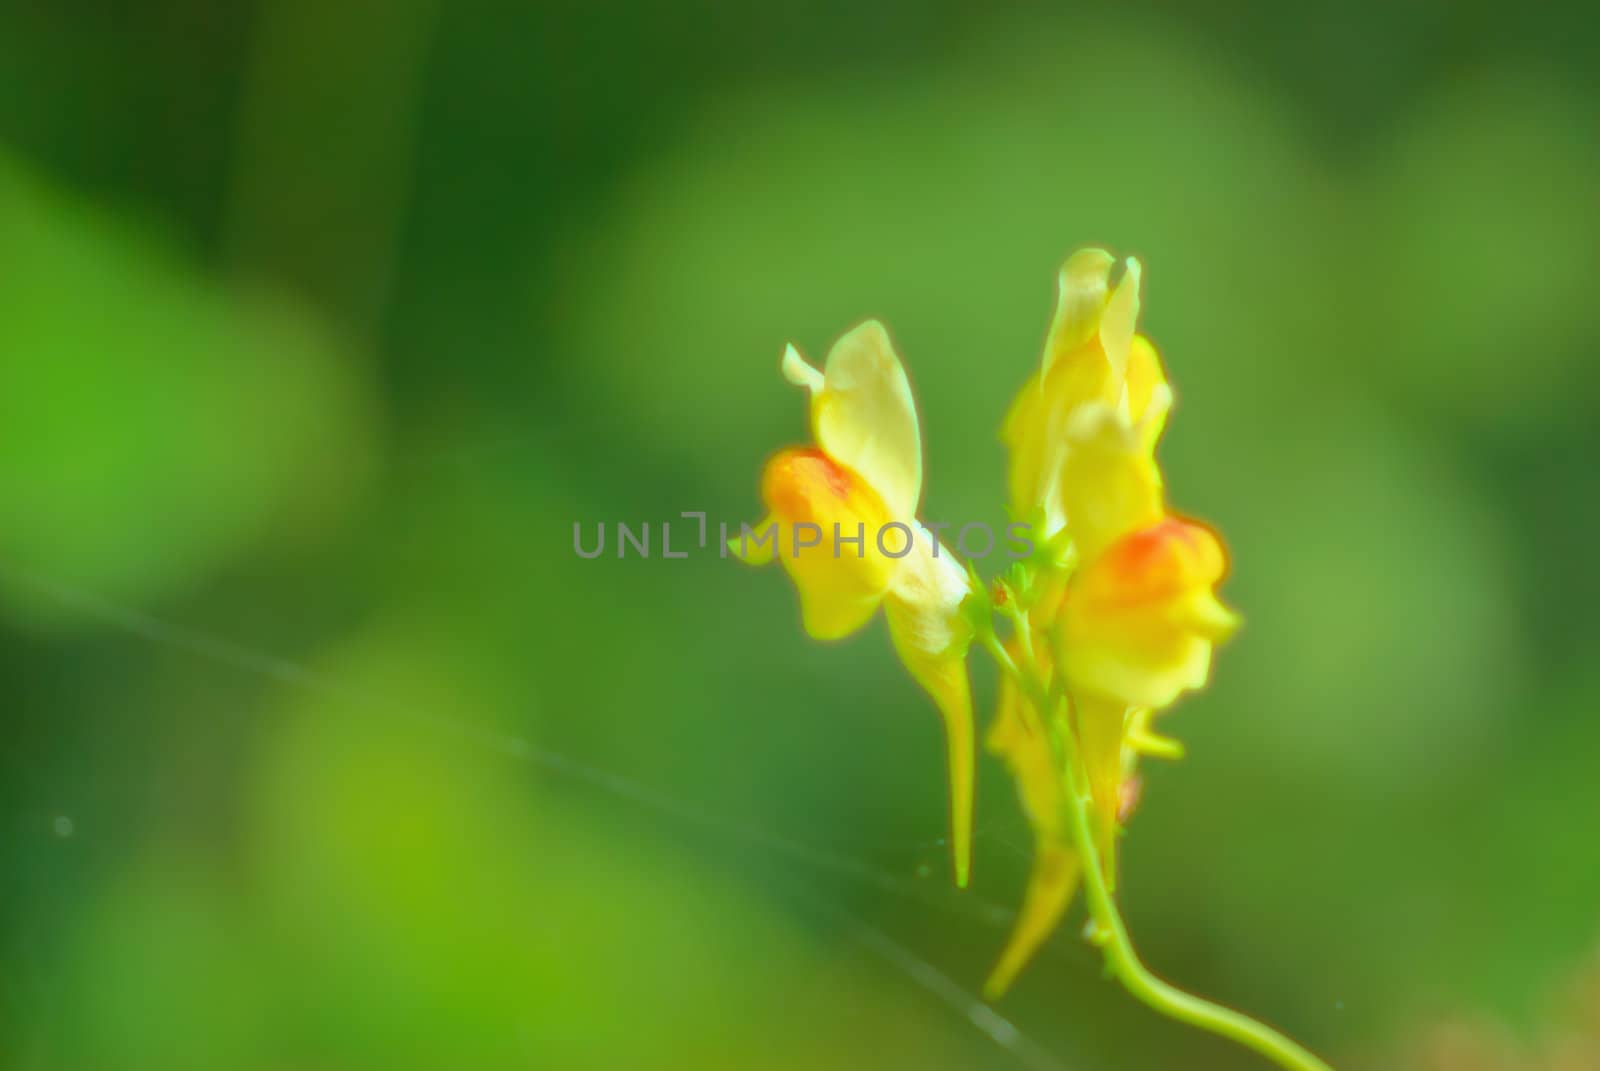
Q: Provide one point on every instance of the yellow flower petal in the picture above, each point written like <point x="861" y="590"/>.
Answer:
<point x="799" y="372"/>
<point x="819" y="510"/>
<point x="1149" y="396"/>
<point x="1110" y="485"/>
<point x="1144" y="740"/>
<point x="931" y="637"/>
<point x="1081" y="289"/>
<point x="1035" y="434"/>
<point x="1091" y="355"/>
<point x="1050" y="887"/>
<point x="1100" y="726"/>
<point x="1118" y="321"/>
<point x="863" y="415"/>
<point x="757" y="544"/>
<point x="1139" y="622"/>
<point x="1020" y="739"/>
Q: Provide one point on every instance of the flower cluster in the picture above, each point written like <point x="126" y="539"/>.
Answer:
<point x="1122" y="612"/>
<point x="865" y="471"/>
<point x="1111" y="619"/>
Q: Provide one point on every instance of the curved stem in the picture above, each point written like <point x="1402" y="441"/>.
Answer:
<point x="1112" y="932"/>
<point x="1165" y="998"/>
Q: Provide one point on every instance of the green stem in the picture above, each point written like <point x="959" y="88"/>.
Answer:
<point x="1028" y="682"/>
<point x="1165" y="998"/>
<point x="1121" y="959"/>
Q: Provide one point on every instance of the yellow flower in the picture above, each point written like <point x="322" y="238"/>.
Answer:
<point x="1139" y="622"/>
<point x="1140" y="616"/>
<point x="1092" y="354"/>
<point x="842" y="521"/>
<point x="1021" y="739"/>
<point x="1127" y="622"/>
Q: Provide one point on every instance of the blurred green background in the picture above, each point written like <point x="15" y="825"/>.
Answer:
<point x="321" y="324"/>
